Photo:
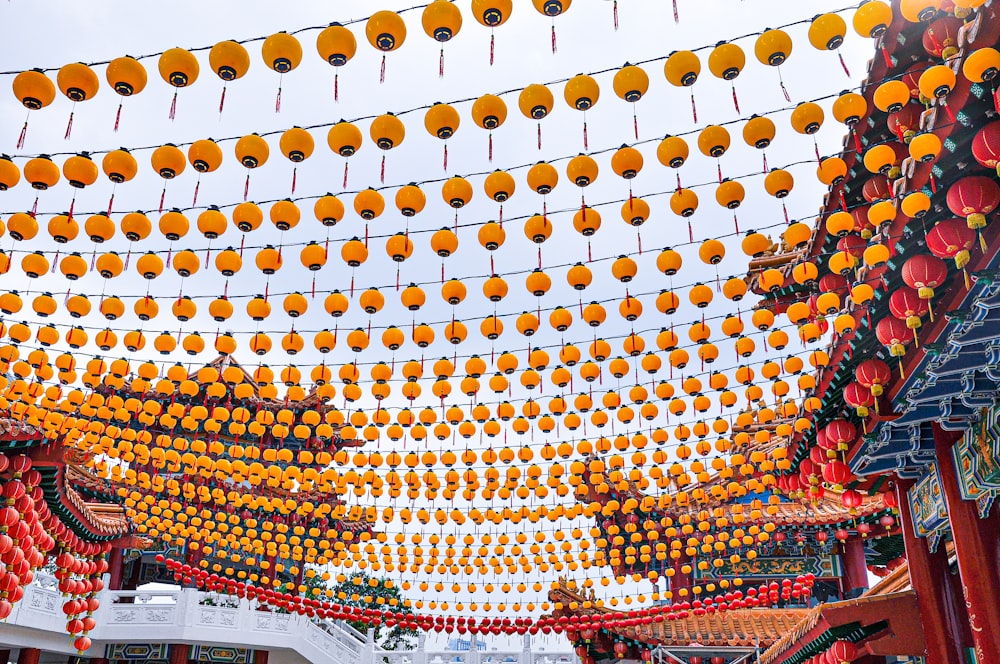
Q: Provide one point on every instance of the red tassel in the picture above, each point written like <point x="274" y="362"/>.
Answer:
<point x="441" y="64"/>
<point x="173" y="107"/>
<point x="346" y="165"/>
<point x="222" y="100"/>
<point x="887" y="57"/>
<point x="677" y="17"/>
<point x="208" y="254"/>
<point x="492" y="46"/>
<point x="590" y="256"/>
<point x="246" y="188"/>
<point x="491" y="147"/>
<point x="933" y="184"/>
<point x="554" y="36"/>
<point x="295" y="171"/>
<point x="336" y="86"/>
<point x="736" y="222"/>
<point x="614" y="10"/>
<point x="843" y="64"/>
<point x="34" y="208"/>
<point x="996" y="101"/>
<point x="277" y="101"/>
<point x="446" y="157"/>
<point x="785" y="210"/>
<point x="635" y="123"/>
<point x="381" y="76"/>
<point x="381" y="175"/>
<point x="857" y="141"/>
<point x="24" y="134"/>
<point x="765" y="161"/>
<point x="843" y="201"/>
<point x="72" y="204"/>
<point x="197" y="185"/>
<point x="947" y="109"/>
<point x="694" y="108"/>
<point x="816" y="148"/>
<point x="690" y="233"/>
<point x="718" y="169"/>
<point x="638" y="237"/>
<point x="69" y="126"/>
<point x="539" y="135"/>
<point x="784" y="91"/>
<point x="585" y="142"/>
<point x="736" y="100"/>
<point x="118" y="116"/>
<point x="163" y="195"/>
<point x="111" y="202"/>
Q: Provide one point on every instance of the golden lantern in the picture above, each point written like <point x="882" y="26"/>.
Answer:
<point x="336" y="303"/>
<point x="672" y="151"/>
<point x="313" y="256"/>
<point x="683" y="202"/>
<point x="626" y="162"/>
<point x="582" y="92"/>
<point x="285" y="214"/>
<point x="80" y="170"/>
<point x="586" y="221"/>
<point x="77" y="82"/>
<point x="579" y="276"/>
<point x="538" y="228"/>
<point x="258" y="308"/>
<point x="228" y="262"/>
<point x="891" y="96"/>
<point x="174" y="225"/>
<point x="328" y="210"/>
<point x="212" y="223"/>
<point x="581" y="169"/>
<point x="537" y="282"/>
<point x="186" y="263"/>
<point x="205" y="155"/>
<point x="712" y="252"/>
<point x="730" y="193"/>
<point x="925" y="147"/>
<point x="831" y="171"/>
<point x="827" y="31"/>
<point x="10" y="174"/>
<point x="413" y="297"/>
<point x="631" y="83"/>
<point x="34" y="264"/>
<point x="34" y="90"/>
<point x="41" y="172"/>
<point x="281" y="52"/>
<point x="773" y="47"/>
<point x="268" y="260"/>
<point x="119" y="166"/>
<point x="369" y="204"/>
<point x="919" y="11"/>
<point x="74" y="266"/>
<point x="252" y="151"/>
<point x="296" y="144"/>
<point x="937" y="82"/>
<point x="981" y="65"/>
<point x="345" y="139"/>
<point x="667" y="302"/>
<point x="849" y="108"/>
<point x="168" y="161"/>
<point x="779" y="183"/>
<point x="872" y="19"/>
<point x="399" y="247"/>
<point x="444" y="242"/>
<point x="457" y="192"/>
<point x="734" y="289"/>
<point x="713" y="141"/>
<point x="442" y="121"/>
<point x="184" y="308"/>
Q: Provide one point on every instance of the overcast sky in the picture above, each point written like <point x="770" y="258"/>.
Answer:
<point x="50" y="34"/>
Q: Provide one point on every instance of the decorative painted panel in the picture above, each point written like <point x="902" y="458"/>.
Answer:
<point x="779" y="566"/>
<point x="221" y="655"/>
<point x="977" y="458"/>
<point x="930" y="515"/>
<point x="137" y="652"/>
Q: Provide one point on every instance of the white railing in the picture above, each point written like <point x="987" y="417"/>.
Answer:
<point x="188" y="616"/>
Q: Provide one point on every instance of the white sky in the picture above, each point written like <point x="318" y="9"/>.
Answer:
<point x="50" y="34"/>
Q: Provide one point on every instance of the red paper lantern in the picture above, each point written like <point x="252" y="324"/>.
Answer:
<point x="941" y="37"/>
<point x="973" y="198"/>
<point x="841" y="432"/>
<point x="986" y="146"/>
<point x="952" y="238"/>
<point x="905" y="122"/>
<point x="894" y="335"/>
<point x="873" y="374"/>
<point x="841" y="651"/>
<point x="852" y="500"/>
<point x="924" y="273"/>
<point x="905" y="304"/>
<point x="858" y="397"/>
<point x="833" y="283"/>
<point x="876" y="188"/>
<point x="852" y="244"/>
<point x="836" y="473"/>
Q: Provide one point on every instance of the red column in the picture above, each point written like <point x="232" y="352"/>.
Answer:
<point x="116" y="567"/>
<point x="928" y="573"/>
<point x="179" y="653"/>
<point x="259" y="657"/>
<point x="4" y="656"/>
<point x="28" y="656"/>
<point x="855" y="568"/>
<point x="976" y="550"/>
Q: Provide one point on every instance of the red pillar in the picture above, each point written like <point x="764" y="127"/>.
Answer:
<point x="259" y="657"/>
<point x="855" y="567"/>
<point x="116" y="567"/>
<point x="179" y="653"/>
<point x="928" y="573"/>
<point x="28" y="656"/>
<point x="976" y="550"/>
<point x="4" y="656"/>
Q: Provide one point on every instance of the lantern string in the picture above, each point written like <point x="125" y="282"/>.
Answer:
<point x="222" y="100"/>
<point x="118" y="115"/>
<point x="69" y="125"/>
<point x="173" y="107"/>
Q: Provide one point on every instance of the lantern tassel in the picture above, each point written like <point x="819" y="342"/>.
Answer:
<point x="690" y="233"/>
<point x="492" y="46"/>
<point x="381" y="76"/>
<point x="614" y="12"/>
<point x="539" y="135"/>
<point x="635" y="123"/>
<point x="346" y="165"/>
<point x="694" y="108"/>
<point x="111" y="201"/>
<point x="586" y="144"/>
<point x="445" y="157"/>
<point x="118" y="116"/>
<point x="965" y="275"/>
<point x="784" y="209"/>
<point x="441" y="64"/>
<point x="491" y="148"/>
<point x="554" y="49"/>
<point x="69" y="126"/>
<point x="336" y="86"/>
<point x="930" y="309"/>
<point x="982" y="242"/>
<point x="163" y="195"/>
<point x="677" y="16"/>
<point x="277" y="101"/>
<point x="765" y="162"/>
<point x="222" y="100"/>
<point x="816" y="150"/>
<point x="173" y="107"/>
<point x="843" y="64"/>
<point x="736" y="100"/>
<point x="857" y="141"/>
<point x="246" y="188"/>
<point x="886" y="57"/>
<point x="381" y="175"/>
<point x="736" y="222"/>
<point x="784" y="90"/>
<point x="996" y="99"/>
<point x="948" y="111"/>
<point x="194" y="200"/>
